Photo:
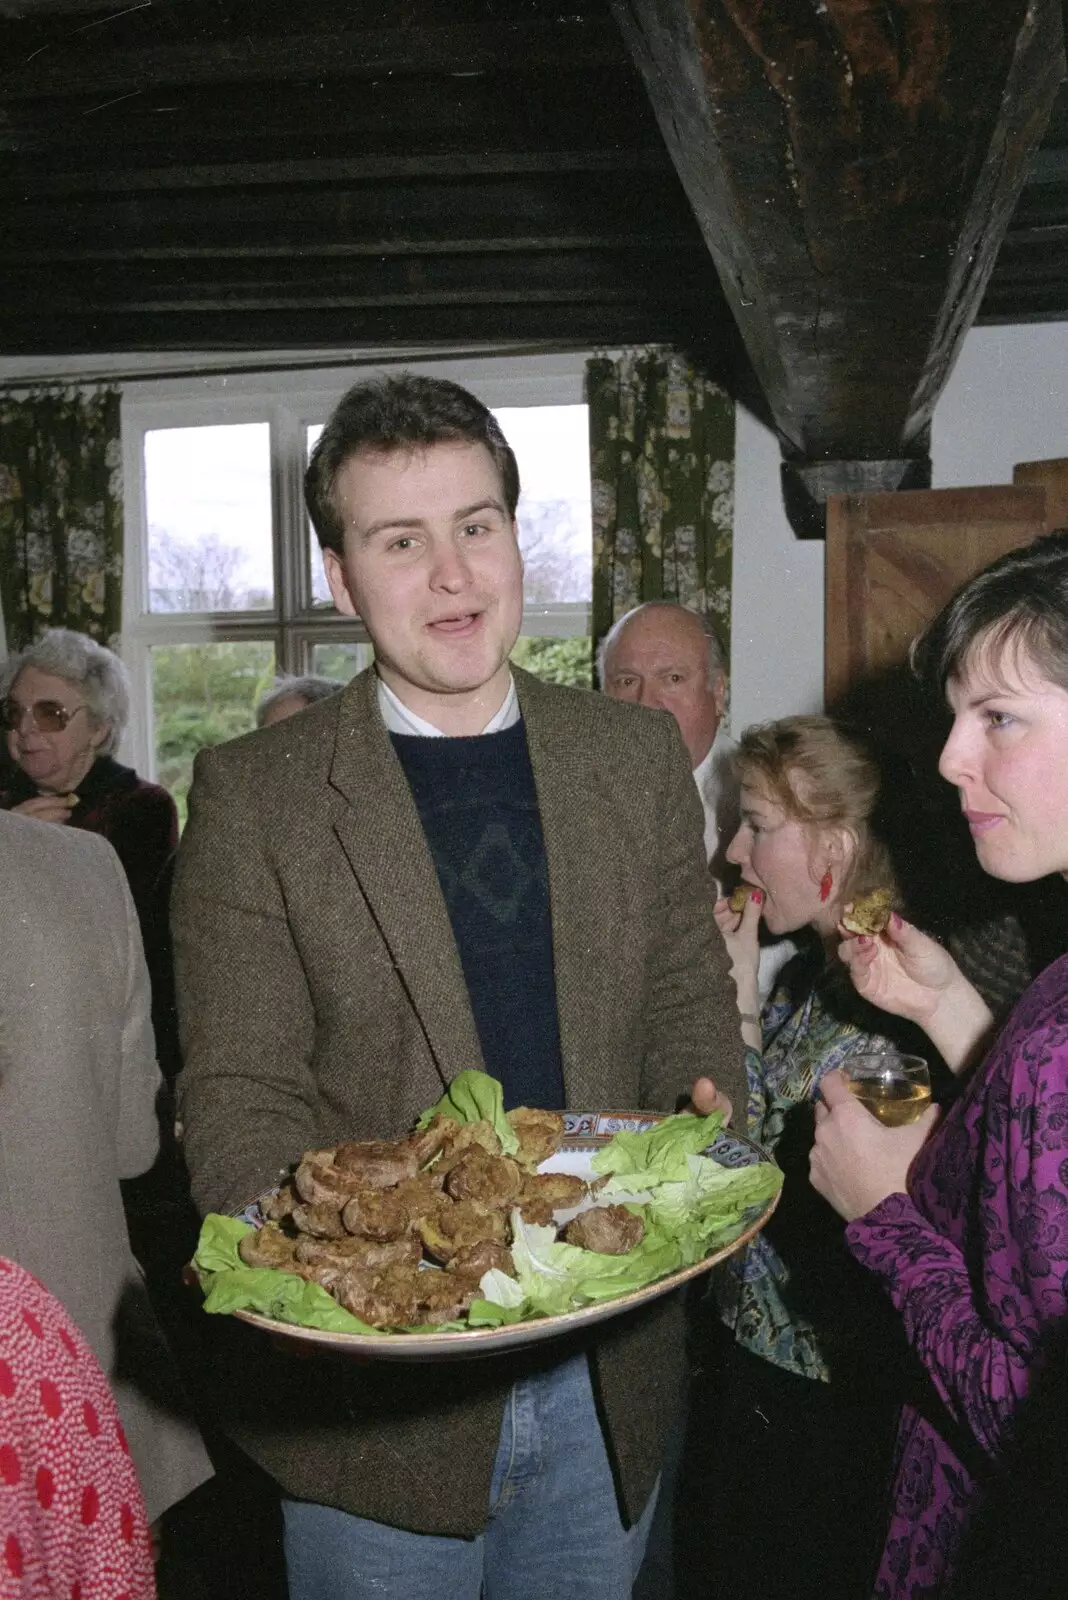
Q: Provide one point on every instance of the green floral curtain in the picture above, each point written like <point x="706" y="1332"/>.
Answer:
<point x="60" y="514"/>
<point x="662" y="464"/>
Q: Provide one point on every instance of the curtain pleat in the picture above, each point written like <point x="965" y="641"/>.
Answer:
<point x="61" y="514"/>
<point x="662" y="466"/>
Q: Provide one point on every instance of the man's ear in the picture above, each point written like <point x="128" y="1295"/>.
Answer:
<point x="338" y="580"/>
<point x="719" y="693"/>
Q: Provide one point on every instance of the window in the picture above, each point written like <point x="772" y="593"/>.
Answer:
<point x="224" y="578"/>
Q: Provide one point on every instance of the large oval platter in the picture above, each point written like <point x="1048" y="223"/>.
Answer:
<point x="585" y="1132"/>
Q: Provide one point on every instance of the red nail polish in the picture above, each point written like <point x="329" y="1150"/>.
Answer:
<point x="757" y="897"/>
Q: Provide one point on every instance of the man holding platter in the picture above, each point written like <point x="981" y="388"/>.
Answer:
<point x="448" y="865"/>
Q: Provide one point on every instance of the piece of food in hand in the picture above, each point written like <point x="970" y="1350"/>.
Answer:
<point x="869" y="913"/>
<point x="546" y="1192"/>
<point x="610" y="1230"/>
<point x="458" y="1223"/>
<point x="69" y="800"/>
<point x="268" y="1246"/>
<point x="739" y="895"/>
<point x="540" y="1134"/>
<point x="493" y="1180"/>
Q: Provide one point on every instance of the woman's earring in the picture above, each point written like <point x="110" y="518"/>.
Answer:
<point x="826" y="885"/>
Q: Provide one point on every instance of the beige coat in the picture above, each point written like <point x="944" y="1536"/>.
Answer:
<point x="322" y="997"/>
<point x="78" y="1082"/>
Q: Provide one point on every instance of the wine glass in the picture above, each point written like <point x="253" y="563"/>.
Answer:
<point x="895" y="1088"/>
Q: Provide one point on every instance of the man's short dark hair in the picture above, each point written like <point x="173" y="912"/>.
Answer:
<point x="403" y="412"/>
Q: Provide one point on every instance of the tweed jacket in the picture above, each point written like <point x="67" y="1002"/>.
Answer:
<point x="321" y="997"/>
<point x="78" y="1084"/>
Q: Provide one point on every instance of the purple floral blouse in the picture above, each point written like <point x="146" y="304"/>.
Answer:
<point x="975" y="1258"/>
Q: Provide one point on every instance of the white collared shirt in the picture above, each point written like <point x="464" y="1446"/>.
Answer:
<point x="400" y="718"/>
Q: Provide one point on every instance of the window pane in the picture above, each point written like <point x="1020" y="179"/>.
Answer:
<point x="552" y="449"/>
<point x="342" y="661"/>
<point x="203" y="694"/>
<point x="557" y="660"/>
<point x="208" y="500"/>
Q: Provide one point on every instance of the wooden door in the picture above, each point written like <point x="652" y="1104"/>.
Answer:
<point x="1052" y="477"/>
<point x="893" y="560"/>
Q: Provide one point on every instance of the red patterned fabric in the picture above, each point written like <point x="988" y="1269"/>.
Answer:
<point x="72" y="1522"/>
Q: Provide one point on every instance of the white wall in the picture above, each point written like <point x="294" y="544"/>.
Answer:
<point x="1006" y="401"/>
<point x="777" y="591"/>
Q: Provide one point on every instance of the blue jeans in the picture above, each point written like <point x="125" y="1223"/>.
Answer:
<point x="553" y="1532"/>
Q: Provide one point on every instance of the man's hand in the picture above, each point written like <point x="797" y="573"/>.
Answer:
<point x="855" y="1161"/>
<point x="706" y="1098"/>
<point x="45" y="808"/>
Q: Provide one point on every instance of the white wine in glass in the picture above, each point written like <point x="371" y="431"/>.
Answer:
<point x="895" y="1088"/>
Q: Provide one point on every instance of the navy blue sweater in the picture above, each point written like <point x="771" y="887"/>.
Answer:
<point x="479" y="809"/>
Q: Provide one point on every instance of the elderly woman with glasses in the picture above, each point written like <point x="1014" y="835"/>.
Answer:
<point x="64" y="702"/>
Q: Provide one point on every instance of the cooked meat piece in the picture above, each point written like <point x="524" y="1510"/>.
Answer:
<point x="610" y="1230"/>
<point x="540" y="1134"/>
<point x="495" y="1181"/>
<point x="458" y="1223"/>
<point x="385" y="1300"/>
<point x="321" y="1219"/>
<point x="377" y="1214"/>
<point x="546" y="1192"/>
<point x="377" y="1163"/>
<point x="280" y="1205"/>
<point x="739" y="895"/>
<point x="402" y="1297"/>
<point x="480" y="1133"/>
<point x="444" y="1296"/>
<point x="869" y="913"/>
<point x="473" y="1260"/>
<point x="267" y="1247"/>
<point x="429" y="1141"/>
<point x="317" y="1180"/>
<point x="352" y="1251"/>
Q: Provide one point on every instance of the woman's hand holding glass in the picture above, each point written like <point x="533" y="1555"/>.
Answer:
<point x="856" y="1162"/>
<point x="909" y="974"/>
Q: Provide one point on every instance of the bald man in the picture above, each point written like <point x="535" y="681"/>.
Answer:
<point x="664" y="656"/>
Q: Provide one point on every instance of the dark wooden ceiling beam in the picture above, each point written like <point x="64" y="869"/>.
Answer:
<point x="80" y="63"/>
<point x="853" y="165"/>
<point x="333" y="172"/>
<point x="552" y="324"/>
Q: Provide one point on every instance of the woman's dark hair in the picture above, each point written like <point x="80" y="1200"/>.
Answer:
<point x="402" y="412"/>
<point x="1020" y="601"/>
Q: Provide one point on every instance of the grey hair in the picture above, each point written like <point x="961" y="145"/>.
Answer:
<point x="309" y="689"/>
<point x="717" y="655"/>
<point x="90" y="667"/>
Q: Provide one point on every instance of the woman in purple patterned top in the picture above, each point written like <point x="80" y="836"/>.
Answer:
<point x="968" y="1229"/>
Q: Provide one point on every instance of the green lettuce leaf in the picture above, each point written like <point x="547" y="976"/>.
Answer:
<point x="659" y="1154"/>
<point x="229" y="1285"/>
<point x="475" y="1097"/>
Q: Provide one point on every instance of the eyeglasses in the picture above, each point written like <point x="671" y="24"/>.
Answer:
<point x="47" y="716"/>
